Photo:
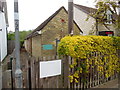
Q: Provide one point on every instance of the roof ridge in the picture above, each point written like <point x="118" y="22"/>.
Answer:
<point x="84" y="6"/>
<point x="85" y="9"/>
<point x="42" y="25"/>
<point x="52" y="16"/>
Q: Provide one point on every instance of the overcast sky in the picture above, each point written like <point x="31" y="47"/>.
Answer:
<point x="33" y="12"/>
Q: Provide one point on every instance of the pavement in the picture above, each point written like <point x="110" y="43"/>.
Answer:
<point x="109" y="84"/>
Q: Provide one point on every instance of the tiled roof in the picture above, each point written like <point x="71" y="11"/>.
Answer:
<point x="89" y="10"/>
<point x="85" y="9"/>
<point x="40" y="27"/>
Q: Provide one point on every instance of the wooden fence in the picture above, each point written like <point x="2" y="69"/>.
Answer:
<point x="31" y="78"/>
<point x="92" y="79"/>
<point x="11" y="46"/>
<point x="34" y="75"/>
<point x="86" y="80"/>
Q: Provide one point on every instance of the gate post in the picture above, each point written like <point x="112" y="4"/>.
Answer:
<point x="66" y="72"/>
<point x="29" y="73"/>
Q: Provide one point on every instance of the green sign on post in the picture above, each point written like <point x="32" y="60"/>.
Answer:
<point x="47" y="47"/>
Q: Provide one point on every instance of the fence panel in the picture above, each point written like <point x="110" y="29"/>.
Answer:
<point x="31" y="70"/>
<point x="48" y="82"/>
<point x="6" y="80"/>
<point x="11" y="46"/>
<point x="87" y="80"/>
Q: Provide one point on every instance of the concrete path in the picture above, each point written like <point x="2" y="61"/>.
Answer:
<point x="110" y="84"/>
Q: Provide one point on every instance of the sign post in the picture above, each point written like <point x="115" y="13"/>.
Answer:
<point x="70" y="17"/>
<point x="18" y="72"/>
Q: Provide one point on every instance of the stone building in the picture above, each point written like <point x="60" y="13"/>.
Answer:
<point x="44" y="39"/>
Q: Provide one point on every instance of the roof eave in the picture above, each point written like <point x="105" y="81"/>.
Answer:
<point x="41" y="26"/>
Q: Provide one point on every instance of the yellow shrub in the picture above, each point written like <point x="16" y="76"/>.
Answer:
<point x="91" y="51"/>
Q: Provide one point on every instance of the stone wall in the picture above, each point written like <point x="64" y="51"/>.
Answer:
<point x="55" y="29"/>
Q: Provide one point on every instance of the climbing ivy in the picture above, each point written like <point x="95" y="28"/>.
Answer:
<point x="89" y="52"/>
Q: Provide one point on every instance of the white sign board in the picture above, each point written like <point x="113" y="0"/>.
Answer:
<point x="50" y="68"/>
